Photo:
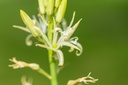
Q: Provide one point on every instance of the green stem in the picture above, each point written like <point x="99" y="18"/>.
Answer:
<point x="50" y="53"/>
<point x="52" y="68"/>
<point x="41" y="71"/>
<point x="50" y="29"/>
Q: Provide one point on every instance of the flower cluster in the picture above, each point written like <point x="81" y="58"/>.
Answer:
<point x="52" y="36"/>
<point x="51" y="31"/>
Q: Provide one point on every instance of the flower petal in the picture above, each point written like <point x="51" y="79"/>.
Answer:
<point x="28" y="41"/>
<point x="26" y="81"/>
<point x="73" y="17"/>
<point x="56" y="32"/>
<point x="78" y="45"/>
<point x="22" y="28"/>
<point x="72" y="29"/>
<point x="60" y="57"/>
<point x="42" y="25"/>
<point x="44" y="37"/>
<point x="64" y="24"/>
<point x="45" y="46"/>
<point x="74" y="45"/>
<point x="88" y="79"/>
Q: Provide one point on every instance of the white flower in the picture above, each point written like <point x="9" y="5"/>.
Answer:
<point x="61" y="35"/>
<point x="21" y="64"/>
<point x="88" y="79"/>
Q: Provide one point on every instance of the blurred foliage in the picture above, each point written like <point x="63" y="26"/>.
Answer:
<point x="103" y="33"/>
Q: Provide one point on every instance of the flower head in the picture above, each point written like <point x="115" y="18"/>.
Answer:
<point x="60" y="34"/>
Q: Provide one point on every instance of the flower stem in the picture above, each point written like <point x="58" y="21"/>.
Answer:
<point x="50" y="54"/>
<point x="41" y="71"/>
<point x="52" y="68"/>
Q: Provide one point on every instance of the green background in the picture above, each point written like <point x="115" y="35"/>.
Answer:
<point x="103" y="33"/>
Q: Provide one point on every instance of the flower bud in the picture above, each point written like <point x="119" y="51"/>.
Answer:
<point x="61" y="11"/>
<point x="45" y="3"/>
<point x="29" y="23"/>
<point x="50" y="6"/>
<point x="57" y="3"/>
<point x="41" y="6"/>
<point x="34" y="66"/>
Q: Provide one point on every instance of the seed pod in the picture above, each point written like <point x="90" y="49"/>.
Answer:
<point x="61" y="11"/>
<point x="29" y="23"/>
<point x="41" y="6"/>
<point x="50" y="6"/>
<point x="57" y="3"/>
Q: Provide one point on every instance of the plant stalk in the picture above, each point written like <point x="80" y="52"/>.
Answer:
<point x="52" y="63"/>
<point x="52" y="68"/>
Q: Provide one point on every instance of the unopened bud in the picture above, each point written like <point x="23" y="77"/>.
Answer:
<point x="41" y="6"/>
<point x="61" y="11"/>
<point x="34" y="66"/>
<point x="45" y="3"/>
<point x="29" y="23"/>
<point x="57" y="3"/>
<point x="50" y="6"/>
